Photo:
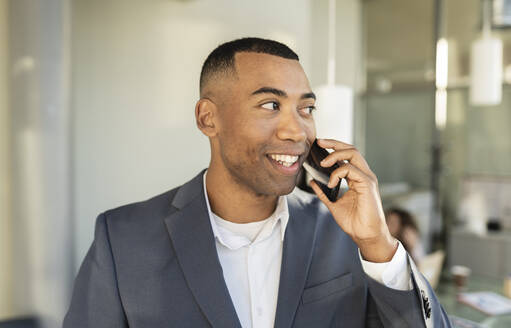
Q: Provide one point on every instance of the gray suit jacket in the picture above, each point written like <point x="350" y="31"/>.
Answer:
<point x="154" y="264"/>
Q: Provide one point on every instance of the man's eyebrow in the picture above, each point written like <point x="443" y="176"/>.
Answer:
<point x="274" y="91"/>
<point x="282" y="93"/>
<point x="308" y="95"/>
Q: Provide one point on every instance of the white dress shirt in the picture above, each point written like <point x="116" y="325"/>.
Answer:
<point x="251" y="255"/>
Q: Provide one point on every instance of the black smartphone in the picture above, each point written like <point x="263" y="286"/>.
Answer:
<point x="319" y="173"/>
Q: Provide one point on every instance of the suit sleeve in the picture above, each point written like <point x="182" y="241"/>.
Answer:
<point x="95" y="301"/>
<point x="418" y="307"/>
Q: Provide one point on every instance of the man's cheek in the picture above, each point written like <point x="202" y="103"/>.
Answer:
<point x="311" y="131"/>
<point x="253" y="154"/>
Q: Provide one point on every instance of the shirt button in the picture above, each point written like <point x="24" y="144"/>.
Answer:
<point x="259" y="311"/>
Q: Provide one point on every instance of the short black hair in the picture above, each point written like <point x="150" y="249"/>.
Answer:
<point x="222" y="58"/>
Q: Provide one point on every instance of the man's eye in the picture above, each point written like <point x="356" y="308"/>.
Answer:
<point x="309" y="109"/>
<point x="272" y="105"/>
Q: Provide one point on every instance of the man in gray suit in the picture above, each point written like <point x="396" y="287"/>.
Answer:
<point x="239" y="245"/>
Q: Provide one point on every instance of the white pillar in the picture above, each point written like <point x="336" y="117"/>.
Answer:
<point x="41" y="225"/>
<point x="5" y="189"/>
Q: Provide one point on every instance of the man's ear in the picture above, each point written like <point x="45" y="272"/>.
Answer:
<point x="206" y="116"/>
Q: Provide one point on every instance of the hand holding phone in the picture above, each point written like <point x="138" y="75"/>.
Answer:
<point x="321" y="174"/>
<point x="358" y="211"/>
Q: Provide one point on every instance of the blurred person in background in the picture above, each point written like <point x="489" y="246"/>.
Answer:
<point x="403" y="227"/>
<point x="238" y="245"/>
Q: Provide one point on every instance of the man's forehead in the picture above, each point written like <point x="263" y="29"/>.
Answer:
<point x="262" y="69"/>
<point x="255" y="61"/>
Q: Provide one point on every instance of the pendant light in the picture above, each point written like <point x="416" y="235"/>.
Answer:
<point x="486" y="65"/>
<point x="334" y="118"/>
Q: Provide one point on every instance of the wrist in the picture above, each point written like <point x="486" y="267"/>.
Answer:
<point x="379" y="250"/>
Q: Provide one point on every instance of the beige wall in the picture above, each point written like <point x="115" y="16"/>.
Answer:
<point x="5" y="197"/>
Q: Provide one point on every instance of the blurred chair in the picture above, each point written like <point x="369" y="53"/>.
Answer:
<point x="431" y="267"/>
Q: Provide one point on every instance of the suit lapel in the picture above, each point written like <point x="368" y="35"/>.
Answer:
<point x="193" y="240"/>
<point x="296" y="258"/>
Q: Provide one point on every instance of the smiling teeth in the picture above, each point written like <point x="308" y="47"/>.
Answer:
<point x="285" y="160"/>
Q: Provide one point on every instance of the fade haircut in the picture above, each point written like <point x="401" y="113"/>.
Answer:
<point x="221" y="60"/>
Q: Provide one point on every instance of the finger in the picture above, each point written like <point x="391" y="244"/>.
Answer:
<point x="321" y="195"/>
<point x="334" y="144"/>
<point x="351" y="155"/>
<point x="352" y="174"/>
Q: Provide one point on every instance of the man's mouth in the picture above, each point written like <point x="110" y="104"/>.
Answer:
<point x="284" y="160"/>
<point x="285" y="164"/>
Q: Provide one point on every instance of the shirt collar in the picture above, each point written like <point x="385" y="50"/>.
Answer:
<point x="281" y="213"/>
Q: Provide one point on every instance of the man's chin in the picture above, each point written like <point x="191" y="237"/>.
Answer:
<point x="288" y="190"/>
<point x="284" y="188"/>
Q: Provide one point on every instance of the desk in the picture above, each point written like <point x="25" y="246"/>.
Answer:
<point x="446" y="293"/>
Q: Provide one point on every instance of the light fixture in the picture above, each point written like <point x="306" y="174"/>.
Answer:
<point x="441" y="77"/>
<point x="486" y="65"/>
<point x="334" y="119"/>
<point x="442" y="61"/>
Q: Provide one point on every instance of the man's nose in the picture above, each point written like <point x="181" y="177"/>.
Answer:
<point x="291" y="126"/>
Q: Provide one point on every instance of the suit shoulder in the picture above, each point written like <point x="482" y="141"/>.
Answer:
<point x="158" y="205"/>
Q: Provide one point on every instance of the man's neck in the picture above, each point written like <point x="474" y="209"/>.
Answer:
<point x="234" y="202"/>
